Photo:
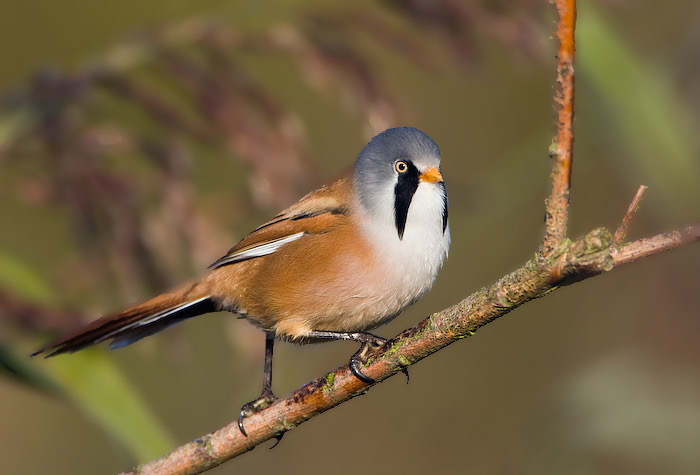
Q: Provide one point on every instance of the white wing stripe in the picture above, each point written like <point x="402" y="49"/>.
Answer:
<point x="264" y="249"/>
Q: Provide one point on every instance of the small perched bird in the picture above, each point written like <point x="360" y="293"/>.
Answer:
<point x="344" y="259"/>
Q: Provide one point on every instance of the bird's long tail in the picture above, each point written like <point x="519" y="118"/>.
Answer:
<point x="137" y="322"/>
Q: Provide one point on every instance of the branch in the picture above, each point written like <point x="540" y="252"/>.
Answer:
<point x="556" y="206"/>
<point x="570" y="262"/>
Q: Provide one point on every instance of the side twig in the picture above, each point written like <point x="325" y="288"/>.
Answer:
<point x="621" y="232"/>
<point x="656" y="244"/>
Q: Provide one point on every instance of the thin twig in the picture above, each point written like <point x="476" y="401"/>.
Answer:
<point x="656" y="244"/>
<point x="556" y="206"/>
<point x="621" y="232"/>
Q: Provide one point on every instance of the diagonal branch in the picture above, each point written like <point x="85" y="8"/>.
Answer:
<point x="574" y="261"/>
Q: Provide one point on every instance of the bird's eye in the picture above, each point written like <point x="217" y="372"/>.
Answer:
<point x="401" y="166"/>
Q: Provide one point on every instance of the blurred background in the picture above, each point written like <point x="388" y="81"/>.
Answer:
<point x="140" y="140"/>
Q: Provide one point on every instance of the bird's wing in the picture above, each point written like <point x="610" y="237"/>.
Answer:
<point x="318" y="212"/>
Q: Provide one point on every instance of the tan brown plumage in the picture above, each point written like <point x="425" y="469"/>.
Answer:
<point x="311" y="286"/>
<point x="273" y="291"/>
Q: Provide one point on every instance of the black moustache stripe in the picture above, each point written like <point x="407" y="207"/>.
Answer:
<point x="404" y="190"/>
<point x="444" y="207"/>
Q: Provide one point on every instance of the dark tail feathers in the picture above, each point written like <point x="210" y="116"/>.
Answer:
<point x="124" y="328"/>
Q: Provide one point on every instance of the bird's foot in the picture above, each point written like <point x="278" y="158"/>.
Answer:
<point x="369" y="343"/>
<point x="266" y="399"/>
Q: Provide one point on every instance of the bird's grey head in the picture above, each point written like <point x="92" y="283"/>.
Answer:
<point x="388" y="171"/>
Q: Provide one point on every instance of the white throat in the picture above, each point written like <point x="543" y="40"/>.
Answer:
<point x="410" y="265"/>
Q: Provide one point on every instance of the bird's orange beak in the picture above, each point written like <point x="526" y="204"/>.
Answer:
<point x="431" y="175"/>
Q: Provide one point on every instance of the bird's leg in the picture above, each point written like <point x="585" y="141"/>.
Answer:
<point x="266" y="397"/>
<point x="369" y="342"/>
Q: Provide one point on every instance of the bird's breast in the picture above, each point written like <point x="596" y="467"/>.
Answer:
<point x="407" y="266"/>
<point x="352" y="277"/>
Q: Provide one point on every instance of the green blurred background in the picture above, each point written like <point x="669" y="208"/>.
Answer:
<point x="104" y="201"/>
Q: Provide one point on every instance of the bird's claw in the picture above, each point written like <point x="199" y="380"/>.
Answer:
<point x="255" y="406"/>
<point x="404" y="370"/>
<point x="369" y="342"/>
<point x="355" y="364"/>
<point x="278" y="438"/>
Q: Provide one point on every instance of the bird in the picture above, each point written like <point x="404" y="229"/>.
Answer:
<point x="343" y="260"/>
